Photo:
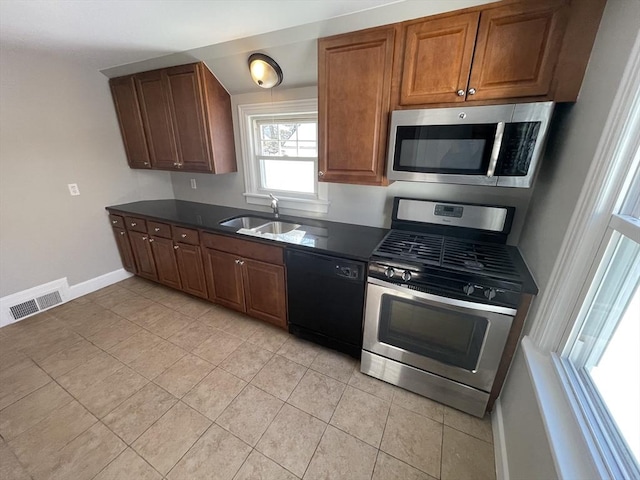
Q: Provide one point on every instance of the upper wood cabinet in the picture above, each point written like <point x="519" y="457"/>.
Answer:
<point x="503" y="51"/>
<point x="354" y="84"/>
<point x="186" y="116"/>
<point x="127" y="107"/>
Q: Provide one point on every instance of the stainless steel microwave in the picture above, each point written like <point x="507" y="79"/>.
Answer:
<point x="494" y="145"/>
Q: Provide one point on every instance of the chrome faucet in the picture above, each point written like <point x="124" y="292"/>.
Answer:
<point x="274" y="205"/>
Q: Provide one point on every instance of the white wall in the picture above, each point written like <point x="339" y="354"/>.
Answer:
<point x="554" y="198"/>
<point x="363" y="205"/>
<point x="58" y="126"/>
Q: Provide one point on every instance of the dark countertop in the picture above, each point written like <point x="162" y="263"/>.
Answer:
<point x="341" y="239"/>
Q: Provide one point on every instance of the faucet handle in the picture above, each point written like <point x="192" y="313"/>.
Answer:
<point x="273" y="197"/>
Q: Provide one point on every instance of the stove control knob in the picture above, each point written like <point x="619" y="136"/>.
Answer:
<point x="490" y="293"/>
<point x="389" y="272"/>
<point x="406" y="275"/>
<point x="468" y="289"/>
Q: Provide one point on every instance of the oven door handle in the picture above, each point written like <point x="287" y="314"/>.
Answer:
<point x="404" y="291"/>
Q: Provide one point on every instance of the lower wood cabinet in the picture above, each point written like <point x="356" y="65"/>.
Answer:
<point x="143" y="255"/>
<point x="246" y="276"/>
<point x="165" y="260"/>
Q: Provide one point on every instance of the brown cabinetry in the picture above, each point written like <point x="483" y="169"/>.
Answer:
<point x="498" y="53"/>
<point x="186" y="118"/>
<point x="143" y="255"/>
<point x="124" y="248"/>
<point x="127" y="107"/>
<point x="165" y="261"/>
<point x="246" y="276"/>
<point x="354" y="84"/>
<point x="189" y="258"/>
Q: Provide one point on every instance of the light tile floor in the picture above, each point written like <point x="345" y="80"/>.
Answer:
<point x="136" y="381"/>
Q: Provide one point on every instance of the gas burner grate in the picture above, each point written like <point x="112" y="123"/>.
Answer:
<point x="425" y="249"/>
<point x="454" y="254"/>
<point x="485" y="258"/>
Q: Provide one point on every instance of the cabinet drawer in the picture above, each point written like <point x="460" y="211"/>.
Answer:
<point x="136" y="224"/>
<point x="159" y="229"/>
<point x="186" y="235"/>
<point x="116" y="221"/>
<point x="244" y="248"/>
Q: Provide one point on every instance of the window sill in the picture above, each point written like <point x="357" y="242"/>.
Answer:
<point x="307" y="205"/>
<point x="571" y="446"/>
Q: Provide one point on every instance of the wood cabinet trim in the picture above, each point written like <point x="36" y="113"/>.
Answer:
<point x="244" y="248"/>
<point x="136" y="224"/>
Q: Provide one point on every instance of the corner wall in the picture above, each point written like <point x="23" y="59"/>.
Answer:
<point x="569" y="156"/>
<point x="58" y="126"/>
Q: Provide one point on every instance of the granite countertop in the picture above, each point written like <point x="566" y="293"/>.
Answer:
<point x="341" y="239"/>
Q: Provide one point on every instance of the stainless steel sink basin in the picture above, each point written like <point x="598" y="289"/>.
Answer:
<point x="277" y="227"/>
<point x="260" y="225"/>
<point x="245" y="222"/>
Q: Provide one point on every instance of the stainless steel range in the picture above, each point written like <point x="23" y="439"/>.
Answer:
<point x="443" y="289"/>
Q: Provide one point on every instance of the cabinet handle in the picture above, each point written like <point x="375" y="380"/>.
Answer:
<point x="151" y="240"/>
<point x="241" y="262"/>
<point x="121" y="233"/>
<point x="144" y="238"/>
<point x="184" y="235"/>
<point x="146" y="163"/>
<point x="176" y="164"/>
<point x="460" y="93"/>
<point x="321" y="174"/>
<point x="157" y="229"/>
<point x="472" y="91"/>
<point x="114" y="221"/>
<point x="175" y="247"/>
<point x="237" y="262"/>
<point x="133" y="224"/>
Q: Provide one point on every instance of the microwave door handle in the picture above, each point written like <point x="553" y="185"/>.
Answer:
<point x="497" y="143"/>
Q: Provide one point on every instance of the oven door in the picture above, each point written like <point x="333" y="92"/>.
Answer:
<point x="458" y="340"/>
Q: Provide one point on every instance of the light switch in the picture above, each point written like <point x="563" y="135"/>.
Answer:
<point x="73" y="189"/>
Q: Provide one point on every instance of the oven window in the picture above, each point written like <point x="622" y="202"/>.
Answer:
<point x="450" y="337"/>
<point x="457" y="149"/>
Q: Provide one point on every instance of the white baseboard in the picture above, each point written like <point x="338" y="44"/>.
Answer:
<point x="499" y="445"/>
<point x="61" y="286"/>
<point x="97" y="283"/>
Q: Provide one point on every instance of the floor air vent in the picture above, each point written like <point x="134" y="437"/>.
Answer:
<point x="24" y="309"/>
<point x="49" y="300"/>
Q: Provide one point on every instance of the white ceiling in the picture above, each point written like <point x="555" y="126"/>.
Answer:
<point x="107" y="33"/>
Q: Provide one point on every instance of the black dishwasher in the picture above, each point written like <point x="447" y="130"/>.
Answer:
<point x="326" y="299"/>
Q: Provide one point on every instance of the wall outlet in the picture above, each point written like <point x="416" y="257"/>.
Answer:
<point x="73" y="189"/>
<point x="193" y="183"/>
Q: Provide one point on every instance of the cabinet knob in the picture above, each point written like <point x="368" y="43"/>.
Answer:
<point x="151" y="240"/>
<point x="176" y="164"/>
<point x="157" y="229"/>
<point x="472" y="91"/>
<point x="460" y="93"/>
<point x="241" y="262"/>
<point x="114" y="221"/>
<point x="121" y="233"/>
<point x="144" y="238"/>
<point x="146" y="163"/>
<point x="176" y="247"/>
<point x="321" y="174"/>
<point x="237" y="262"/>
<point x="184" y="235"/>
<point x="133" y="224"/>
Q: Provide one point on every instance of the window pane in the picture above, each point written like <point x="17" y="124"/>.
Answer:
<point x="307" y="131"/>
<point x="607" y="348"/>
<point x="288" y="175"/>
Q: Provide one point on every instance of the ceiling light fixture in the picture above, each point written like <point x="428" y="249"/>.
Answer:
<point x="264" y="70"/>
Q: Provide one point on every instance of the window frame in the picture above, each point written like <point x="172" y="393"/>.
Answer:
<point x="254" y="193"/>
<point x="600" y="210"/>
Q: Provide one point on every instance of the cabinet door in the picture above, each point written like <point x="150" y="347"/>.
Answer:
<point x="124" y="248"/>
<point x="191" y="269"/>
<point x="143" y="255"/>
<point x="517" y="50"/>
<point x="437" y="59"/>
<point x="265" y="291"/>
<point x="156" y="117"/>
<point x="125" y="100"/>
<point x="224" y="278"/>
<point x="354" y="82"/>
<point x="165" y="261"/>
<point x="187" y="112"/>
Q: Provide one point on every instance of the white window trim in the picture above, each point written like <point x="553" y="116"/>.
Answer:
<point x="573" y="444"/>
<point x="321" y="203"/>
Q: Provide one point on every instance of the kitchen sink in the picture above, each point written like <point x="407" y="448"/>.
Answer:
<point x="260" y="225"/>
<point x="247" y="222"/>
<point x="277" y="227"/>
